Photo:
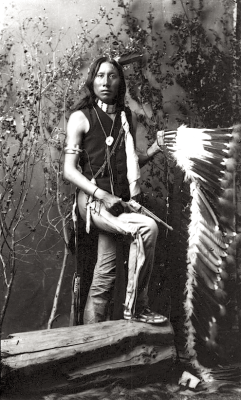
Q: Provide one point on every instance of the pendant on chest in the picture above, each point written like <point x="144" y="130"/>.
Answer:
<point x="109" y="140"/>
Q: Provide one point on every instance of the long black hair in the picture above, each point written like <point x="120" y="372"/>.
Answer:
<point x="88" y="93"/>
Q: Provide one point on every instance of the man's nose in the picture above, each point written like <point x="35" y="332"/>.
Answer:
<point x="106" y="80"/>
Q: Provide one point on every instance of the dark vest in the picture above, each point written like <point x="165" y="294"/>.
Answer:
<point x="95" y="152"/>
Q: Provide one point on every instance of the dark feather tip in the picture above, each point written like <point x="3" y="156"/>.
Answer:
<point x="126" y="59"/>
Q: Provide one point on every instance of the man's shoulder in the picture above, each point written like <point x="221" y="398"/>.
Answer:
<point x="81" y="114"/>
<point x="79" y="121"/>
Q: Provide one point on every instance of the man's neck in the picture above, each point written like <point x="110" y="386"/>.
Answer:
<point x="107" y="108"/>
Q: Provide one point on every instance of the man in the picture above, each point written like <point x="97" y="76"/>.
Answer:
<point x="101" y="139"/>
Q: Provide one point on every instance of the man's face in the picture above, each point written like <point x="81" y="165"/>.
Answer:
<point x="106" y="83"/>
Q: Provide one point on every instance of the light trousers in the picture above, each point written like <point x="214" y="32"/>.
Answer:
<point x="143" y="232"/>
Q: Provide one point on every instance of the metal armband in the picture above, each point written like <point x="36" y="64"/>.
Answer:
<point x="72" y="149"/>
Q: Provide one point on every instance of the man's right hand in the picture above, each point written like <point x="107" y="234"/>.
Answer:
<point x="115" y="205"/>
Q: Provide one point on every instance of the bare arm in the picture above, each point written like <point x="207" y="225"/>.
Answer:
<point x="153" y="149"/>
<point x="77" y="126"/>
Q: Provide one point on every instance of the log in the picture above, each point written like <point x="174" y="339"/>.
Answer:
<point x="75" y="358"/>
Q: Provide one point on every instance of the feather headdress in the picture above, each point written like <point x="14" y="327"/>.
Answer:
<point x="208" y="158"/>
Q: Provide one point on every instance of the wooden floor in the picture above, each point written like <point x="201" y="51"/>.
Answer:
<point x="75" y="358"/>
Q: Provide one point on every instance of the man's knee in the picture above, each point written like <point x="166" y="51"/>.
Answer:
<point x="153" y="228"/>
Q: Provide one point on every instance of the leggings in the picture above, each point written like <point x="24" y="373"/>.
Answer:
<point x="143" y="232"/>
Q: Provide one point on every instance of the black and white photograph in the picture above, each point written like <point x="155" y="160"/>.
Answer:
<point x="120" y="199"/>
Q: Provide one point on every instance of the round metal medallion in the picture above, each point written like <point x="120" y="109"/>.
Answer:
<point x="109" y="140"/>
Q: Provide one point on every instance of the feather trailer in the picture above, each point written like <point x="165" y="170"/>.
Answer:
<point x="204" y="295"/>
<point x="215" y="236"/>
<point x="205" y="310"/>
<point x="211" y="247"/>
<point x="208" y="157"/>
<point x="205" y="273"/>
